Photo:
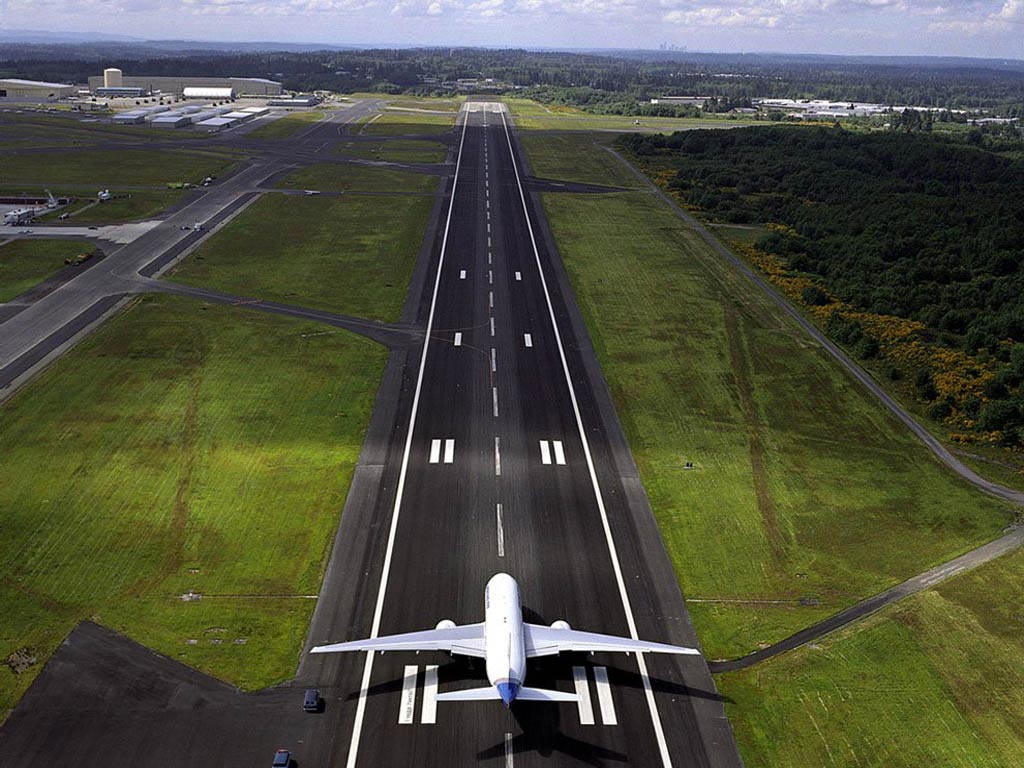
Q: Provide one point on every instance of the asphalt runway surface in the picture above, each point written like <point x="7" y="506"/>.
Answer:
<point x="494" y="446"/>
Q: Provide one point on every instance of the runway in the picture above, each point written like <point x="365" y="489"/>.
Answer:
<point x="494" y="446"/>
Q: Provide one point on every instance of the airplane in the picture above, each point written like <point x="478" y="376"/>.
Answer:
<point x="505" y="641"/>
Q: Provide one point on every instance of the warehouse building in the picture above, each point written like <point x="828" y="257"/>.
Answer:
<point x="14" y="88"/>
<point x="242" y="86"/>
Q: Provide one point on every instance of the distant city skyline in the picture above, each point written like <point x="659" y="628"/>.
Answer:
<point x="977" y="28"/>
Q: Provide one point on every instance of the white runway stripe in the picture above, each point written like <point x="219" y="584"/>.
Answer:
<point x="492" y="326"/>
<point x="583" y="703"/>
<point x="462" y="274"/>
<point x="408" y="708"/>
<point x="604" y="696"/>
<point x="528" y="339"/>
<point x="501" y="533"/>
<point x="545" y="452"/>
<point x="428" y="715"/>
<point x="494" y="360"/>
<point x="497" y="456"/>
<point x="458" y="339"/>
<point x="519" y="275"/>
<point x="509" y="753"/>
<point x="559" y="453"/>
<point x="449" y="451"/>
<point x="494" y="394"/>
<point x="435" y="451"/>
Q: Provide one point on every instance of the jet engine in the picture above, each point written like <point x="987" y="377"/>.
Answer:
<point x="445" y="624"/>
<point x="560" y="624"/>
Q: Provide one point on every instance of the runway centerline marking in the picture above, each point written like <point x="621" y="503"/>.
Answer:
<point x="378" y="611"/>
<point x="497" y="456"/>
<point x="458" y="338"/>
<point x="407" y="710"/>
<point x="462" y="274"/>
<point x="508" y="751"/>
<point x="604" y="696"/>
<point x="435" y="451"/>
<point x="449" y="451"/>
<point x="494" y="360"/>
<point x="490" y="299"/>
<point x="492" y="326"/>
<point x="545" y="452"/>
<point x="428" y="714"/>
<point x="494" y="397"/>
<point x="583" y="703"/>
<point x="559" y="453"/>
<point x="490" y="272"/>
<point x="519" y="276"/>
<point x="652" y="705"/>
<point x="528" y="339"/>
<point x="501" y="532"/>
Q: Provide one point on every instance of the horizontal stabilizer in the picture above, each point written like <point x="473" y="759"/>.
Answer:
<point x="491" y="694"/>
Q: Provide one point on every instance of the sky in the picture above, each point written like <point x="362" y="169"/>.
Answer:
<point x="980" y="28"/>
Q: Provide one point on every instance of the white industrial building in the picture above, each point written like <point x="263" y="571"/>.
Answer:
<point x="240" y="116"/>
<point x="15" y="88"/>
<point x="217" y="94"/>
<point x="215" y="124"/>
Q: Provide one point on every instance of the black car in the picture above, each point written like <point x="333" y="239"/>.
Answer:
<point x="311" y="701"/>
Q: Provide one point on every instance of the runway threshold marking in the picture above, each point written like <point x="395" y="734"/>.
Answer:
<point x="462" y="274"/>
<point x="652" y="704"/>
<point x="545" y="452"/>
<point x="559" y="453"/>
<point x="583" y="703"/>
<point x="519" y="276"/>
<point x="604" y="696"/>
<point x="407" y="710"/>
<point x="435" y="451"/>
<point x="501" y="533"/>
<point x="458" y="339"/>
<point x="528" y="339"/>
<point x="428" y="714"/>
<point x="378" y="611"/>
<point x="449" y="451"/>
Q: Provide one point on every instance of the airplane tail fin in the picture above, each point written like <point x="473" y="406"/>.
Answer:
<point x="491" y="694"/>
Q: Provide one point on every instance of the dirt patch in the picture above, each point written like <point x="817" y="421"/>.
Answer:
<point x="21" y="660"/>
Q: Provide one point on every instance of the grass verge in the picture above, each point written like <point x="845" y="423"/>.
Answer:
<point x="26" y="263"/>
<point x="398" y="150"/>
<point x="150" y="462"/>
<point x="287" y="126"/>
<point x="347" y="177"/>
<point x="802" y="481"/>
<point x="345" y="254"/>
<point x="109" y="168"/>
<point x="577" y="157"/>
<point x="408" y="123"/>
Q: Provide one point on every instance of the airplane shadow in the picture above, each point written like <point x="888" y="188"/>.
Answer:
<point x="541" y="732"/>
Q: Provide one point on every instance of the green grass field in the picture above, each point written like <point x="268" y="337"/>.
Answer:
<point x="151" y="462"/>
<point x="26" y="263"/>
<point x="803" y="483"/>
<point x="108" y="168"/>
<point x="398" y="150"/>
<point x="935" y="680"/>
<point x="347" y="177"/>
<point x="351" y="254"/>
<point x="287" y="126"/>
<point x="530" y="115"/>
<point x="408" y="123"/>
<point x="577" y="157"/>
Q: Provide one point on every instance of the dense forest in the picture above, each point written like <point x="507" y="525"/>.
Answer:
<point x="621" y="83"/>
<point x="908" y="247"/>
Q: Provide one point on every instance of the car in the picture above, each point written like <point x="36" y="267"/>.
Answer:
<point x="311" y="701"/>
<point x="311" y="191"/>
<point x="282" y="759"/>
<point x="186" y="228"/>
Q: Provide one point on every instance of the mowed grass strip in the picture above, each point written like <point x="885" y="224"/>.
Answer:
<point x="408" y="123"/>
<point x="348" y="254"/>
<point x="398" y="150"/>
<point x="99" y="167"/>
<point x="350" y="177"/>
<point x="804" y="490"/>
<point x="577" y="157"/>
<point x="153" y="461"/>
<point x="531" y="115"/>
<point x="287" y="126"/>
<point x="935" y="680"/>
<point x="26" y="263"/>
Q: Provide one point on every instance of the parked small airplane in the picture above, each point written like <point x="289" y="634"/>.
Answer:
<point x="505" y="641"/>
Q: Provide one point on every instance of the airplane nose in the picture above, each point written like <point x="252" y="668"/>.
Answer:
<point x="508" y="692"/>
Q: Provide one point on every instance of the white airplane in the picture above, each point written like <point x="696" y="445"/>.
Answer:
<point x="506" y="642"/>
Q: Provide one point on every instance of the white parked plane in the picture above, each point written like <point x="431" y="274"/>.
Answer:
<point x="506" y="642"/>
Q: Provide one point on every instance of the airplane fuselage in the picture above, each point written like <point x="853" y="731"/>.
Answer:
<point x="503" y="637"/>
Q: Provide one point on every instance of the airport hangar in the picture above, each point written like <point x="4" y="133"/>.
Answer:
<point x="15" y="88"/>
<point x="114" y="79"/>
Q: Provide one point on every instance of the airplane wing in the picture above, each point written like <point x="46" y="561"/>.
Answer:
<point x="547" y="641"/>
<point x="465" y="640"/>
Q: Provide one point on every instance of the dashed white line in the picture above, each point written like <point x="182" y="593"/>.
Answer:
<point x="545" y="452"/>
<point x="494" y="397"/>
<point x="488" y="227"/>
<point x="435" y="451"/>
<point x="492" y="326"/>
<point x="508" y="751"/>
<point x="428" y="714"/>
<point x="490" y="299"/>
<point x="494" y="360"/>
<point x="408" y="709"/>
<point x="449" y="451"/>
<point x="519" y="276"/>
<point x="501" y="533"/>
<point x="458" y="339"/>
<point x="559" y="453"/>
<point x="462" y="274"/>
<point x="583" y="703"/>
<point x="604" y="696"/>
<point x="497" y="456"/>
<point x="528" y="339"/>
<point x="490" y="272"/>
<point x="488" y="241"/>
